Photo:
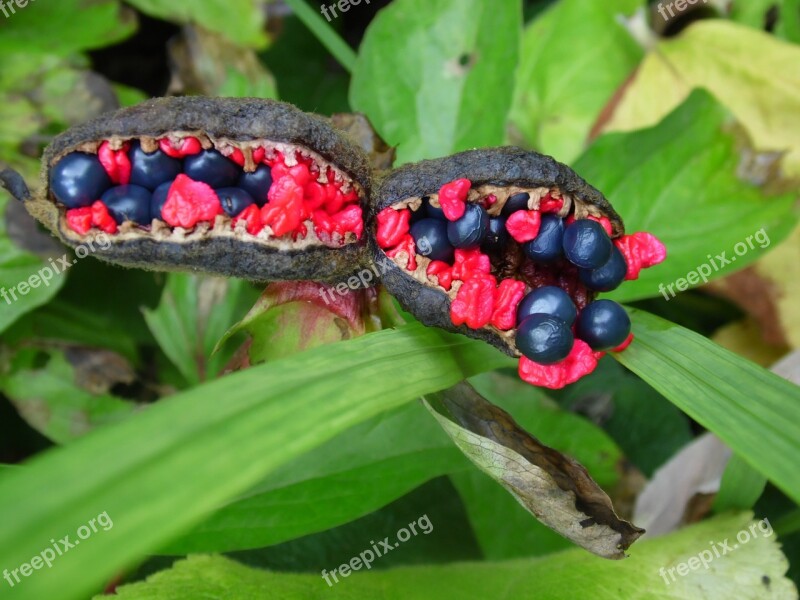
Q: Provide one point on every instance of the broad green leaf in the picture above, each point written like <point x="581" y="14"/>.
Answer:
<point x="678" y="181"/>
<point x="20" y="271"/>
<point x="357" y="472"/>
<point x="241" y="21"/>
<point x="51" y="401"/>
<point x="755" y="570"/>
<point x="747" y="70"/>
<point x="740" y="488"/>
<point x="753" y="411"/>
<point x="573" y="59"/>
<point x="194" y="313"/>
<point x="437" y="500"/>
<point x="161" y="472"/>
<point x="64" y="27"/>
<point x="433" y="99"/>
<point x="505" y="529"/>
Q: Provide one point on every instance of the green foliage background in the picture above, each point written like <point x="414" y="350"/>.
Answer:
<point x="294" y="465"/>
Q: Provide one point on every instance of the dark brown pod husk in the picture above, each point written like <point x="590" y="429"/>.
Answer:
<point x="224" y="124"/>
<point x="503" y="172"/>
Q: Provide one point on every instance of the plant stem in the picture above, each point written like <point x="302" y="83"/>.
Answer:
<point x="325" y="34"/>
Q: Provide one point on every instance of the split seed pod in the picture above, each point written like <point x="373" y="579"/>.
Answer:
<point x="492" y="178"/>
<point x="306" y="224"/>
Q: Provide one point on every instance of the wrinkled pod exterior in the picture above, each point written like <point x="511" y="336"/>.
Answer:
<point x="209" y="151"/>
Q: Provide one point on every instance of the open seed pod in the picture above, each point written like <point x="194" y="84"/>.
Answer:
<point x="240" y="187"/>
<point x="510" y="247"/>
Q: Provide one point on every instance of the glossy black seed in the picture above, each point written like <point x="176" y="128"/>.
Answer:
<point x="78" y="179"/>
<point x="234" y="200"/>
<point x="586" y="244"/>
<point x="432" y="212"/>
<point x="549" y="300"/>
<point x="159" y="199"/>
<point x="547" y="245"/>
<point x="209" y="166"/>
<point x="544" y="339"/>
<point x="496" y="235"/>
<point x="151" y="170"/>
<point x="609" y="276"/>
<point x="603" y="324"/>
<point x="516" y="202"/>
<point x="430" y="236"/>
<point x="470" y="230"/>
<point x="128" y="203"/>
<point x="257" y="183"/>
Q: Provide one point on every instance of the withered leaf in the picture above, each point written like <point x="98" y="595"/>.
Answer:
<point x="551" y="486"/>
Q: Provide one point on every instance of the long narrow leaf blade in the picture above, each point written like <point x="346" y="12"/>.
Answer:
<point x="159" y="473"/>
<point x="754" y="411"/>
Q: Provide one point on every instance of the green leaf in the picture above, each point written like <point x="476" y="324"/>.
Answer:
<point x="741" y="574"/>
<point x="64" y="321"/>
<point x="741" y="486"/>
<point x="435" y="99"/>
<point x="678" y="181"/>
<point x="193" y="314"/>
<point x="325" y="33"/>
<point x="788" y="26"/>
<point x="752" y="410"/>
<point x="357" y="472"/>
<point x="241" y="21"/>
<point x="161" y="472"/>
<point x="43" y="27"/>
<point x="17" y="268"/>
<point x="573" y="58"/>
<point x="51" y="402"/>
<point x="316" y="87"/>
<point x="648" y="428"/>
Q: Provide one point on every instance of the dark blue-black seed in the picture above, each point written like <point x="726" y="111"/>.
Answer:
<point x="151" y="170"/>
<point x="470" y="230"/>
<point x="586" y="244"/>
<point x="547" y="245"/>
<point x="432" y="212"/>
<point x="78" y="179"/>
<point x="609" y="276"/>
<point x="234" y="200"/>
<point x="603" y="325"/>
<point x="516" y="202"/>
<point x="549" y="300"/>
<point x="129" y="203"/>
<point x="209" y="166"/>
<point x="496" y="235"/>
<point x="159" y="199"/>
<point x="257" y="183"/>
<point x="544" y="339"/>
<point x="430" y="236"/>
